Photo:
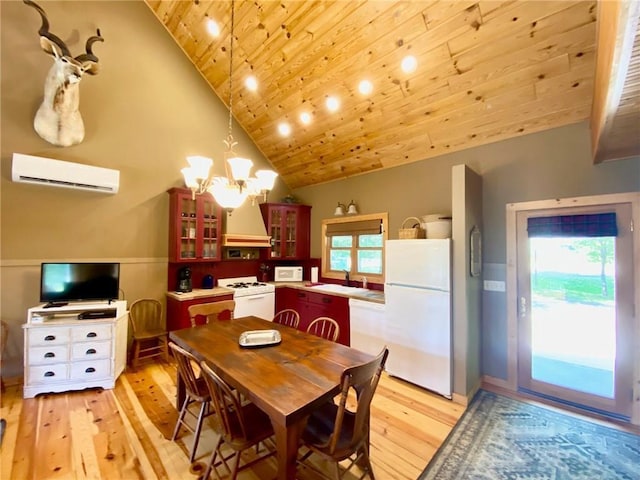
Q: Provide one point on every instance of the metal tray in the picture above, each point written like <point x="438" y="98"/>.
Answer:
<point x="259" y="338"/>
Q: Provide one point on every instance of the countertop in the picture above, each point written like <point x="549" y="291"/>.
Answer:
<point x="376" y="296"/>
<point x="199" y="293"/>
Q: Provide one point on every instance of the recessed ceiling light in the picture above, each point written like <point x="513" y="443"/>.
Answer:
<point x="365" y="87"/>
<point x="251" y="83"/>
<point x="284" y="128"/>
<point x="333" y="104"/>
<point x="213" y="28"/>
<point x="305" y="118"/>
<point x="409" y="64"/>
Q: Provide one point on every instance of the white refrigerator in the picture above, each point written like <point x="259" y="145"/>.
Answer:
<point x="418" y="327"/>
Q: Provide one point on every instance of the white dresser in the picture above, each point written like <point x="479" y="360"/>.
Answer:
<point x="64" y="352"/>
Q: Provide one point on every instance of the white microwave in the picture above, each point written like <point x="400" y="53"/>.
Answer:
<point x="287" y="274"/>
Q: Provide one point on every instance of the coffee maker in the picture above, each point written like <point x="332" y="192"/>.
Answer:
<point x="184" y="279"/>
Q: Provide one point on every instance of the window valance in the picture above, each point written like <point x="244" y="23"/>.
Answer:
<point x="591" y="225"/>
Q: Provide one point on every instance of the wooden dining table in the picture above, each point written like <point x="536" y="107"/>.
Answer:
<point x="288" y="381"/>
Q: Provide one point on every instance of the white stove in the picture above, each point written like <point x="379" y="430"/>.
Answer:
<point x="252" y="297"/>
<point x="243" y="286"/>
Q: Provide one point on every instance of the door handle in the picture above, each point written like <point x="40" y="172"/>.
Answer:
<point x="523" y="307"/>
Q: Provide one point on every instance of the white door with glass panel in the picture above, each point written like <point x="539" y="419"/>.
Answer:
<point x="575" y="306"/>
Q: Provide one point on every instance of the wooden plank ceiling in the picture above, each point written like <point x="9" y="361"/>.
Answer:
<point x="486" y="71"/>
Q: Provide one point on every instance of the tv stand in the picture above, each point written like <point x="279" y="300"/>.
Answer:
<point x="63" y="352"/>
<point x="55" y="304"/>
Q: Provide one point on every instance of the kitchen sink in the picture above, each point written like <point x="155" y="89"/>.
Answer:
<point x="335" y="288"/>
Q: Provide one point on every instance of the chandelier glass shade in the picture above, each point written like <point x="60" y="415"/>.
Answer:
<point x="232" y="190"/>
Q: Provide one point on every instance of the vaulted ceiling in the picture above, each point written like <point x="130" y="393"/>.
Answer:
<point x="486" y="71"/>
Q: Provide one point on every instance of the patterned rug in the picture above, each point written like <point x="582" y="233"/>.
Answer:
<point x="499" y="438"/>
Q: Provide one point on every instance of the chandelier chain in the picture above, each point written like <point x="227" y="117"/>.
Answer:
<point x="230" y="136"/>
<point x="229" y="191"/>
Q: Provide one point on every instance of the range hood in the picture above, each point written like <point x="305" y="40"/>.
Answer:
<point x="245" y="228"/>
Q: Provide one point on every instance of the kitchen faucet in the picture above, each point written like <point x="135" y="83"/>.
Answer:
<point x="346" y="278"/>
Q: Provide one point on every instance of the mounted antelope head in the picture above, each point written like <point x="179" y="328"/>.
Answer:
<point x="58" y="119"/>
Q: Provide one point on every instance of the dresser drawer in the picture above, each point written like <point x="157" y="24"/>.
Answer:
<point x="82" y="333"/>
<point x="48" y="354"/>
<point x="90" y="350"/>
<point x="43" y="374"/>
<point x="86" y="371"/>
<point x="48" y="336"/>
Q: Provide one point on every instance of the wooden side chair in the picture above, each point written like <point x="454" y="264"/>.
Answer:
<point x="325" y="327"/>
<point x="337" y="433"/>
<point x="196" y="391"/>
<point x="148" y="329"/>
<point x="212" y="311"/>
<point x="288" y="317"/>
<point x="240" y="425"/>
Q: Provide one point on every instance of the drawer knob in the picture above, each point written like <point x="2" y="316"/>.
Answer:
<point x="91" y="351"/>
<point x="90" y="370"/>
<point x="49" y="338"/>
<point x="49" y="355"/>
<point x="49" y="374"/>
<point x="92" y="334"/>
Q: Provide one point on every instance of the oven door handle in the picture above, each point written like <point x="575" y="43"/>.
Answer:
<point x="256" y="297"/>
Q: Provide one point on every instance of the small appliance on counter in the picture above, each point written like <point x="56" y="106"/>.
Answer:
<point x="184" y="280"/>
<point x="207" y="281"/>
<point x="287" y="274"/>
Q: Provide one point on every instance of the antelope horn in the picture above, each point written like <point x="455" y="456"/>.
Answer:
<point x="89" y="56"/>
<point x="44" y="29"/>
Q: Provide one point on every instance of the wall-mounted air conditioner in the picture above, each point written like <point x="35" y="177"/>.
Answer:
<point x="56" y="173"/>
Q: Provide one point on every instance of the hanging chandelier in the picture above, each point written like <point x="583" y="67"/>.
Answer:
<point x="232" y="190"/>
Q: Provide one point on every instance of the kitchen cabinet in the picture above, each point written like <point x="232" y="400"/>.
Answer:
<point x="195" y="227"/>
<point x="311" y="305"/>
<point x="178" y="306"/>
<point x="289" y="226"/>
<point x="286" y="298"/>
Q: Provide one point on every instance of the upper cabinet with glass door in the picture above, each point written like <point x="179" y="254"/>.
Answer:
<point x="194" y="227"/>
<point x="290" y="228"/>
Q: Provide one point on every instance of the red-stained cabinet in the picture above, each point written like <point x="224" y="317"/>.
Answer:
<point x="311" y="305"/>
<point x="289" y="225"/>
<point x="195" y="227"/>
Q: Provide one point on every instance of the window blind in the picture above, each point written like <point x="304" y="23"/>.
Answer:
<point x="360" y="227"/>
<point x="591" y="225"/>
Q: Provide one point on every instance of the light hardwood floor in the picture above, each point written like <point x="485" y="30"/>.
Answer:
<point x="125" y="433"/>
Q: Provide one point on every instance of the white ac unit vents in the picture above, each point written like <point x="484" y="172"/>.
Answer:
<point x="56" y="173"/>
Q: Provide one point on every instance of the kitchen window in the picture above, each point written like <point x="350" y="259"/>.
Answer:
<point x="354" y="244"/>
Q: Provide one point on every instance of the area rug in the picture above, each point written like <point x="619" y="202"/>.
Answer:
<point x="500" y="438"/>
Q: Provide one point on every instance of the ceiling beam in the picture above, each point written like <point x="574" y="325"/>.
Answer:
<point x="617" y="33"/>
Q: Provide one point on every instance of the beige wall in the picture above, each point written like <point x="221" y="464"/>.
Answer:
<point x="544" y="165"/>
<point x="467" y="290"/>
<point x="146" y="110"/>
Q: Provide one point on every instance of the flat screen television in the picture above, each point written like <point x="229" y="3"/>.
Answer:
<point x="61" y="283"/>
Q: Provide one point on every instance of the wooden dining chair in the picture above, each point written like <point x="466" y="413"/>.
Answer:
<point x="240" y="425"/>
<point x="196" y="391"/>
<point x="212" y="311"/>
<point x="288" y="317"/>
<point x="325" y="327"/>
<point x="149" y="330"/>
<point x="336" y="433"/>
